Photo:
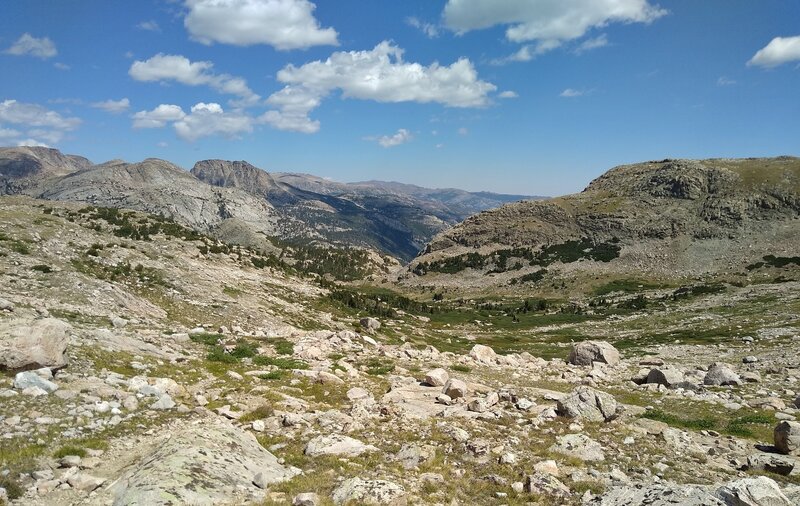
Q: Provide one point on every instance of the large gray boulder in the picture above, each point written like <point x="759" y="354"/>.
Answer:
<point x="205" y="464"/>
<point x="42" y="344"/>
<point x="670" y="377"/>
<point x="579" y="446"/>
<point x="483" y="354"/>
<point x="588" y="404"/>
<point x="588" y="352"/>
<point x="30" y="379"/>
<point x="436" y="377"/>
<point x="720" y="374"/>
<point x="787" y="437"/>
<point x="758" y="491"/>
<point x="658" y="494"/>
<point x="369" y="492"/>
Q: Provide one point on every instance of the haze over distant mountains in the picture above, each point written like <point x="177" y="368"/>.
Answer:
<point x="245" y="204"/>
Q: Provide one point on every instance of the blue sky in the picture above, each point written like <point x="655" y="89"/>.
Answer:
<point x="516" y="96"/>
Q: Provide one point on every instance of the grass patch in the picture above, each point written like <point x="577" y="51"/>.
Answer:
<point x="753" y="426"/>
<point x="283" y="347"/>
<point x="280" y="362"/>
<point x="69" y="450"/>
<point x="274" y="375"/>
<point x="207" y="338"/>
<point x="218" y="354"/>
<point x="378" y="367"/>
<point x="461" y="368"/>
<point x="261" y="412"/>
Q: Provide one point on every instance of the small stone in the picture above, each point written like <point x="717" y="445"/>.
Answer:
<point x="235" y="375"/>
<point x="750" y="359"/>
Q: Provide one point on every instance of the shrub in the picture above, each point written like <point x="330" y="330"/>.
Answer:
<point x="42" y="268"/>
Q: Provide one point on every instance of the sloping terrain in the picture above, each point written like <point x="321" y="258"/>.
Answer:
<point x="178" y="369"/>
<point x="668" y="220"/>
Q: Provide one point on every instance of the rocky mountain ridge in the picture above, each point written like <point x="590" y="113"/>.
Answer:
<point x="667" y="219"/>
<point x="242" y="202"/>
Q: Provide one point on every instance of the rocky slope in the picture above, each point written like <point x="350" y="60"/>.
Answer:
<point x="667" y="220"/>
<point x="173" y="369"/>
<point x="390" y="217"/>
<point x="23" y="167"/>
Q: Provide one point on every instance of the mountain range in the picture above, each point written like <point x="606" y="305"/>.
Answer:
<point x="241" y="203"/>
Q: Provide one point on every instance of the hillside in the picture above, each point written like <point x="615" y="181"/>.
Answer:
<point x="665" y="220"/>
<point x="138" y="356"/>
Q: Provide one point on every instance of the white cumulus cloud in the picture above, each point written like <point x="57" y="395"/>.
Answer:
<point x="780" y="50"/>
<point x="379" y="74"/>
<point x="508" y="94"/>
<point x="168" y="67"/>
<point x="27" y="44"/>
<point x="113" y="106"/>
<point x="593" y="43"/>
<point x="158" y="117"/>
<point x="37" y="122"/>
<point x="402" y="136"/>
<point x="210" y="119"/>
<point x="282" y="24"/>
<point x="545" y="23"/>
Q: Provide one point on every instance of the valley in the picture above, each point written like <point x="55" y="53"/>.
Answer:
<point x="153" y="356"/>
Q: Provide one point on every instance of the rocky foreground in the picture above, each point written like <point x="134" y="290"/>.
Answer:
<point x="159" y="372"/>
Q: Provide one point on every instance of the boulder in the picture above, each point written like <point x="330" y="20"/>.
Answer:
<point x="758" y="491"/>
<point x="787" y="437"/>
<point x="370" y="324"/>
<point x="546" y="484"/>
<point x="588" y="404"/>
<point x="203" y="464"/>
<point x="588" y="352"/>
<point x="658" y="494"/>
<point x="483" y="354"/>
<point x="720" y="374"/>
<point x="455" y="388"/>
<point x="29" y="379"/>
<point x="306" y="499"/>
<point x="670" y="377"/>
<point x="42" y="344"/>
<point x="85" y="482"/>
<point x="369" y="492"/>
<point x="484" y="403"/>
<point x="412" y="455"/>
<point x="771" y="463"/>
<point x="579" y="446"/>
<point x="339" y="445"/>
<point x="6" y="305"/>
<point x="436" y="377"/>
